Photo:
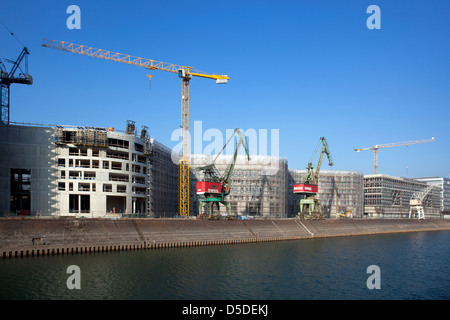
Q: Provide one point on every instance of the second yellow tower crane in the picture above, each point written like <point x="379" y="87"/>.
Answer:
<point x="185" y="73"/>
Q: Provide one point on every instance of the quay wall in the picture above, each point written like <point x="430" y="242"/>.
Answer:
<point x="20" y="236"/>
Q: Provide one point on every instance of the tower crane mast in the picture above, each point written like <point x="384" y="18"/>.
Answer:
<point x="7" y="78"/>
<point x="186" y="73"/>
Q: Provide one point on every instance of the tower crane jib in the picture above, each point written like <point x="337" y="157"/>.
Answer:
<point x="184" y="72"/>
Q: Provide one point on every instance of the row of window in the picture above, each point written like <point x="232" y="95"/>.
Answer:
<point x="88" y="175"/>
<point x="72" y="137"/>
<point x="84" y="152"/>
<point x="88" y="187"/>
<point x="108" y="165"/>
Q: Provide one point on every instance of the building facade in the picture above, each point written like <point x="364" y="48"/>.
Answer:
<point x="74" y="171"/>
<point x="339" y="192"/>
<point x="28" y="170"/>
<point x="444" y="185"/>
<point x="258" y="185"/>
<point x="389" y="196"/>
<point x="163" y="183"/>
<point x="99" y="172"/>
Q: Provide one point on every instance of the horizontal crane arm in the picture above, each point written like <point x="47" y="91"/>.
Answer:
<point x="128" y="59"/>
<point x="396" y="144"/>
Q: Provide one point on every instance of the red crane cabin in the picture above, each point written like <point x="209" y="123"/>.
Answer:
<point x="306" y="188"/>
<point x="208" y="187"/>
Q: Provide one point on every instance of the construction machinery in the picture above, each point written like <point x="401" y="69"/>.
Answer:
<point x="416" y="203"/>
<point x="184" y="72"/>
<point x="215" y="187"/>
<point x="346" y="214"/>
<point x="390" y="145"/>
<point x="310" y="203"/>
<point x="7" y="78"/>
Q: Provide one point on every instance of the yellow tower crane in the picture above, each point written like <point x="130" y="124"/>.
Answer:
<point x="389" y="145"/>
<point x="185" y="73"/>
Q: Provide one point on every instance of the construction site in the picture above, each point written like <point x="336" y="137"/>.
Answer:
<point x="58" y="170"/>
<point x="103" y="172"/>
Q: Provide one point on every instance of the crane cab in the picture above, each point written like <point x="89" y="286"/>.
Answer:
<point x="208" y="187"/>
<point x="306" y="188"/>
<point x="183" y="74"/>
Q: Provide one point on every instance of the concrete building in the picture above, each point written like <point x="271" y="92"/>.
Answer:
<point x="74" y="171"/>
<point x="444" y="185"/>
<point x="163" y="186"/>
<point x="389" y="196"/>
<point x="101" y="172"/>
<point x="339" y="191"/>
<point x="28" y="170"/>
<point x="258" y="186"/>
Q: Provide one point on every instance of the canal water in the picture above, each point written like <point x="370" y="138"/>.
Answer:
<point x="410" y="266"/>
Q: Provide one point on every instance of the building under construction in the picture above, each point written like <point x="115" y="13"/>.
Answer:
<point x="74" y="171"/>
<point x="443" y="185"/>
<point x="339" y="192"/>
<point x="389" y="196"/>
<point x="102" y="172"/>
<point x="163" y="183"/>
<point x="258" y="186"/>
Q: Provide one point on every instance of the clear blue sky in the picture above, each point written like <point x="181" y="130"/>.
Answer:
<point x="308" y="68"/>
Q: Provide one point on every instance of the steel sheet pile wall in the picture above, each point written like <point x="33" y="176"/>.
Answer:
<point x="46" y="236"/>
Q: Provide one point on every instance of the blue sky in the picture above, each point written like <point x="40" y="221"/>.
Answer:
<point x="308" y="68"/>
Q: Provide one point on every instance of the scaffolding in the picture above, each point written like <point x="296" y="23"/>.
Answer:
<point x="258" y="186"/>
<point x="81" y="136"/>
<point x="131" y="127"/>
<point x="339" y="191"/>
<point x="389" y="196"/>
<point x="162" y="187"/>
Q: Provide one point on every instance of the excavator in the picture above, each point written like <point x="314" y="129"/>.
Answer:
<point x="310" y="203"/>
<point x="215" y="187"/>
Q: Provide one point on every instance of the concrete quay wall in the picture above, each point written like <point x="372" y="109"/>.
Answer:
<point x="21" y="237"/>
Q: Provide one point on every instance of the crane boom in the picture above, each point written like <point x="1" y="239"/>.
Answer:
<point x="184" y="72"/>
<point x="390" y="145"/>
<point x="129" y="59"/>
<point x="396" y="144"/>
<point x="312" y="177"/>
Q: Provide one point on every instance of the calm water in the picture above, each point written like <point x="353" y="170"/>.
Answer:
<point x="413" y="266"/>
